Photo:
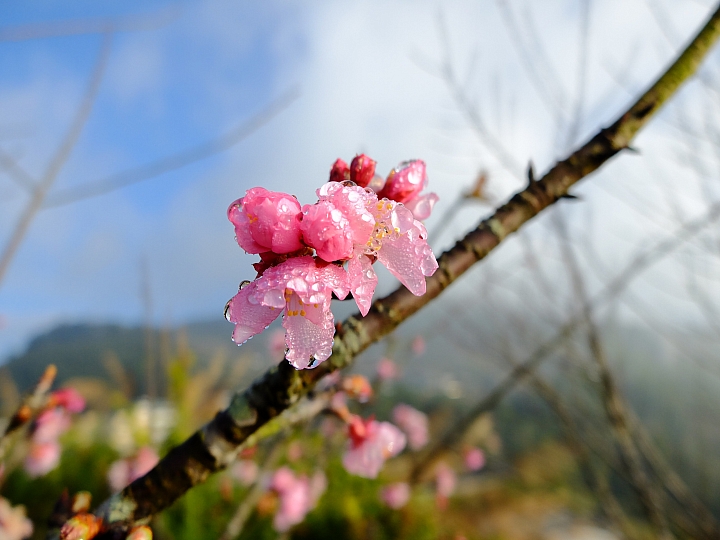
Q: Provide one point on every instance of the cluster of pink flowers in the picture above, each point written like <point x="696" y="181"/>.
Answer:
<point x="44" y="452"/>
<point x="309" y="253"/>
<point x="124" y="471"/>
<point x="298" y="495"/>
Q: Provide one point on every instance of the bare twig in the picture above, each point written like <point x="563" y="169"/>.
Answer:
<point x="76" y="27"/>
<point x="216" y="444"/>
<point x="58" y="161"/>
<point x="615" y="406"/>
<point x="173" y="161"/>
<point x="28" y="408"/>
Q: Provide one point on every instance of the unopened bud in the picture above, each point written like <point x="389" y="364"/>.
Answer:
<point x="340" y="171"/>
<point x="362" y="170"/>
<point x="81" y="502"/>
<point x="140" y="533"/>
<point x="81" y="527"/>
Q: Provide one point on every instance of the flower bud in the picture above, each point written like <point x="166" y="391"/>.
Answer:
<point x="340" y="171"/>
<point x="327" y="230"/>
<point x="405" y="181"/>
<point x="362" y="170"/>
<point x="265" y="221"/>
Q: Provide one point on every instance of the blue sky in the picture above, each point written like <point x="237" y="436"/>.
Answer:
<point x="366" y="82"/>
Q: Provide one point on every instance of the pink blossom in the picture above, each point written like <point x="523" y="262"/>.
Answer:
<point x="404" y="184"/>
<point x="42" y="458"/>
<point x="339" y="171"/>
<point x="14" y="524"/>
<point x="396" y="495"/>
<point x="266" y="221"/>
<point x="399" y="242"/>
<point x="362" y="170"/>
<point x="387" y="369"/>
<point x="49" y="425"/>
<point x="300" y="288"/>
<point x="474" y="459"/>
<point x="371" y="443"/>
<point x="298" y="496"/>
<point x="445" y="481"/>
<point x="245" y="471"/>
<point x="69" y="399"/>
<point x="125" y="471"/>
<point x="418" y="345"/>
<point x="414" y="423"/>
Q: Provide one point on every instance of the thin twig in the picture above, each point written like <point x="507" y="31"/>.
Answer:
<point x="30" y="406"/>
<point x="58" y="160"/>
<point x="174" y="161"/>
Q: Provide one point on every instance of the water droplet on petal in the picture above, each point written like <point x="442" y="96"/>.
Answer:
<point x="348" y="183"/>
<point x="244" y="284"/>
<point x="227" y="311"/>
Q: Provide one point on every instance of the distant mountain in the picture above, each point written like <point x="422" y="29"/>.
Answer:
<point x="85" y="350"/>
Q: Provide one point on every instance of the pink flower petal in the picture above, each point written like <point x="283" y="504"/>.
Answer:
<point x="308" y="343"/>
<point x="363" y="281"/>
<point x="422" y="205"/>
<point x="248" y="314"/>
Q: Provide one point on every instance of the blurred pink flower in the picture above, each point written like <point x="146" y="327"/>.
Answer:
<point x="125" y="471"/>
<point x="371" y="443"/>
<point x="387" y="369"/>
<point x="396" y="495"/>
<point x="14" y="524"/>
<point x="414" y="423"/>
<point x="42" y="458"/>
<point x="49" y="425"/>
<point x="404" y="184"/>
<point x="474" y="459"/>
<point x="445" y="481"/>
<point x="362" y="170"/>
<point x="266" y="221"/>
<point x="69" y="399"/>
<point x="245" y="471"/>
<point x="301" y="289"/>
<point x="418" y="345"/>
<point x="297" y="495"/>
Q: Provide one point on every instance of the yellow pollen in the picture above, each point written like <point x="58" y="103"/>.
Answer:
<point x="397" y="229"/>
<point x="302" y="312"/>
<point x="379" y="206"/>
<point x="389" y="206"/>
<point x="315" y="305"/>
